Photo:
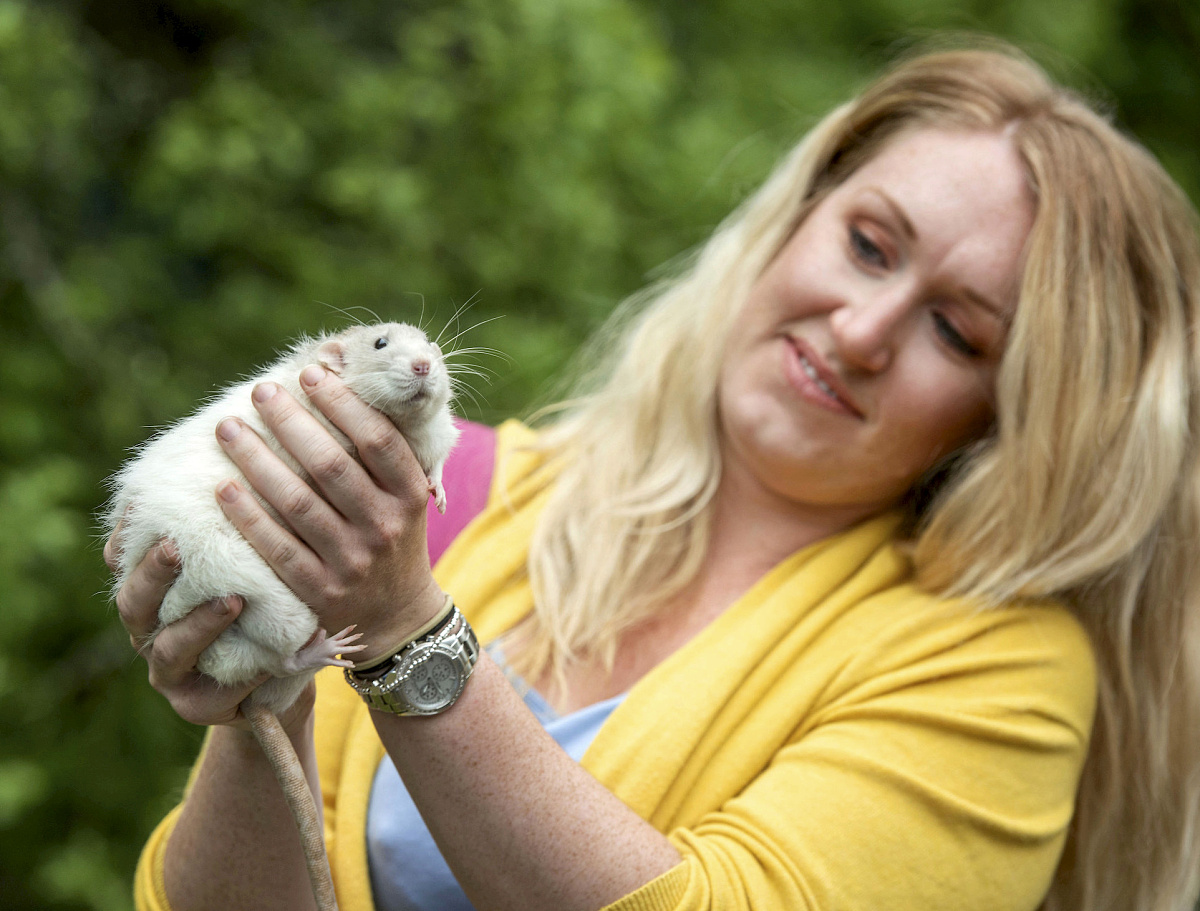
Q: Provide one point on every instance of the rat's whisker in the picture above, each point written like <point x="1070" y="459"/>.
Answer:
<point x="470" y="394"/>
<point x="458" y="384"/>
<point x="458" y="312"/>
<point x="477" y="349"/>
<point x="467" y="362"/>
<point x="348" y="312"/>
<point x="466" y="371"/>
<point x="482" y="322"/>
<point x="421" y="319"/>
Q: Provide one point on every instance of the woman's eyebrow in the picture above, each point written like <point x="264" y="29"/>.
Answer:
<point x="987" y="304"/>
<point x="905" y="225"/>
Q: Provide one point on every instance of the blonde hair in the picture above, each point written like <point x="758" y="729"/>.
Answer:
<point x="1087" y="490"/>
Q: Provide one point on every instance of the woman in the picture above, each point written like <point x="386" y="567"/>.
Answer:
<point x="874" y="539"/>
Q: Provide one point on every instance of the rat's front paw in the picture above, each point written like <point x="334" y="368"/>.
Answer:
<point x="323" y="651"/>
<point x="439" y="496"/>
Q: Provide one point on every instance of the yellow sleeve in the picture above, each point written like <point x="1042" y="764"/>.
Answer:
<point x="149" y="894"/>
<point x="942" y="774"/>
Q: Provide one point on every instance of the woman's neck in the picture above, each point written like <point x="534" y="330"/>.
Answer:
<point x="753" y="528"/>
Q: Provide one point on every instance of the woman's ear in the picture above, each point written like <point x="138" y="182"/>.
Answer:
<point x="332" y="356"/>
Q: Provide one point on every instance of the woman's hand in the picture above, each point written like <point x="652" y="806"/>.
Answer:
<point x="233" y="836"/>
<point x="172" y="653"/>
<point x="355" y="552"/>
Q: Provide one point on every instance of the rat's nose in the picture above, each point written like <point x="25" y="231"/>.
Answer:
<point x="421" y="367"/>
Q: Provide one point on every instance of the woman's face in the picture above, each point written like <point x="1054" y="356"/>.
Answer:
<point x="868" y="348"/>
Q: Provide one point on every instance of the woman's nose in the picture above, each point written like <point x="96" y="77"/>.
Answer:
<point x="865" y="331"/>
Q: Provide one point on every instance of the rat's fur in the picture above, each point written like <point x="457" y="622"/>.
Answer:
<point x="167" y="491"/>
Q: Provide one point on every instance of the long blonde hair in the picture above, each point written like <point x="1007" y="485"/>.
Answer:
<point x="1087" y="490"/>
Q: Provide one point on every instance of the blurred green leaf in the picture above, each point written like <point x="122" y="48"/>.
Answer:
<point x="22" y="785"/>
<point x="81" y="871"/>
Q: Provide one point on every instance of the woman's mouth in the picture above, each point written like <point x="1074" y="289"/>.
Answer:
<point x="815" y="382"/>
<point x="812" y="375"/>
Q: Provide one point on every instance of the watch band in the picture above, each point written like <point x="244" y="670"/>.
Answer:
<point x="427" y="676"/>
<point x="376" y="668"/>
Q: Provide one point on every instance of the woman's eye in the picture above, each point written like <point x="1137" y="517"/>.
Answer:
<point x="380" y="343"/>
<point x="866" y="250"/>
<point x="953" y="337"/>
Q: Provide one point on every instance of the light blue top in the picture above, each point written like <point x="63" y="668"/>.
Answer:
<point x="407" y="871"/>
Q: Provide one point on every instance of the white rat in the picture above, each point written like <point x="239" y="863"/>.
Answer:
<point x="167" y="491"/>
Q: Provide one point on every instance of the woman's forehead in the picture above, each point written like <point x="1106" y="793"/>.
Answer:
<point x="962" y="198"/>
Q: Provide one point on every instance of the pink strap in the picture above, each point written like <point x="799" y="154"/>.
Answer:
<point x="467" y="479"/>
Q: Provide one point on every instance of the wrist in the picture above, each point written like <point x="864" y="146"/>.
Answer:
<point x="376" y="667"/>
<point x="426" y="675"/>
<point x="237" y="741"/>
<point x="407" y="623"/>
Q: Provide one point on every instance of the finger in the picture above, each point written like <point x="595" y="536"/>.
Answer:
<point x="311" y="517"/>
<point x="382" y="447"/>
<point x="204" y="701"/>
<point x="343" y="481"/>
<point x="177" y="647"/>
<point x="112" y="547"/>
<point x="140" y="597"/>
<point x="291" y="558"/>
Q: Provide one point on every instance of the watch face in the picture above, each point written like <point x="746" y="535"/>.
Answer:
<point x="433" y="683"/>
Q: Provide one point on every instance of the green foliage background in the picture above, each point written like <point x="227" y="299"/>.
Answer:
<point x="184" y="185"/>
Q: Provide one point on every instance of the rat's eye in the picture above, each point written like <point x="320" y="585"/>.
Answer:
<point x="381" y="343"/>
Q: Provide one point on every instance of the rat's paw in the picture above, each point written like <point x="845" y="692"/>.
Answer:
<point x="439" y="496"/>
<point x="323" y="651"/>
<point x="344" y="642"/>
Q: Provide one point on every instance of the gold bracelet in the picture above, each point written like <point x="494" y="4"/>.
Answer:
<point x="378" y="664"/>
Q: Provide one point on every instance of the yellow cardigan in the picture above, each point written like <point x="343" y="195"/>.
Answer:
<point x="835" y="739"/>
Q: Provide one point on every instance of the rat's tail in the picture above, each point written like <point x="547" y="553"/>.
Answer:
<point x="275" y="743"/>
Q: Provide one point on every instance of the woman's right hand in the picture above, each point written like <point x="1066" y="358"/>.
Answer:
<point x="172" y="653"/>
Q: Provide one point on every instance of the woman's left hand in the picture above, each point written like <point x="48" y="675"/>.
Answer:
<point x="356" y="552"/>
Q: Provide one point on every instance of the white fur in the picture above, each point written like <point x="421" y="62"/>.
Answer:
<point x="168" y="491"/>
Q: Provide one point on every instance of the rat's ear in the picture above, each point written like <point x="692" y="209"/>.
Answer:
<point x="332" y="355"/>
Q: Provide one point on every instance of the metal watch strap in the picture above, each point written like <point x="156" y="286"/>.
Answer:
<point x="452" y="648"/>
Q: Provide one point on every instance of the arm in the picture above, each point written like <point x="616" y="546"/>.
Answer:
<point x="520" y="823"/>
<point x="235" y="844"/>
<point x="235" y="835"/>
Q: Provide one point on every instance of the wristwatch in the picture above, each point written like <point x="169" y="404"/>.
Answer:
<point x="426" y="676"/>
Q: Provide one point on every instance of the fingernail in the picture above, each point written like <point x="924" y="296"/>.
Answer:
<point x="264" y="391"/>
<point x="227" y="491"/>
<point x="168" y="552"/>
<point x="228" y="429"/>
<point x="220" y="607"/>
<point x="312" y="375"/>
